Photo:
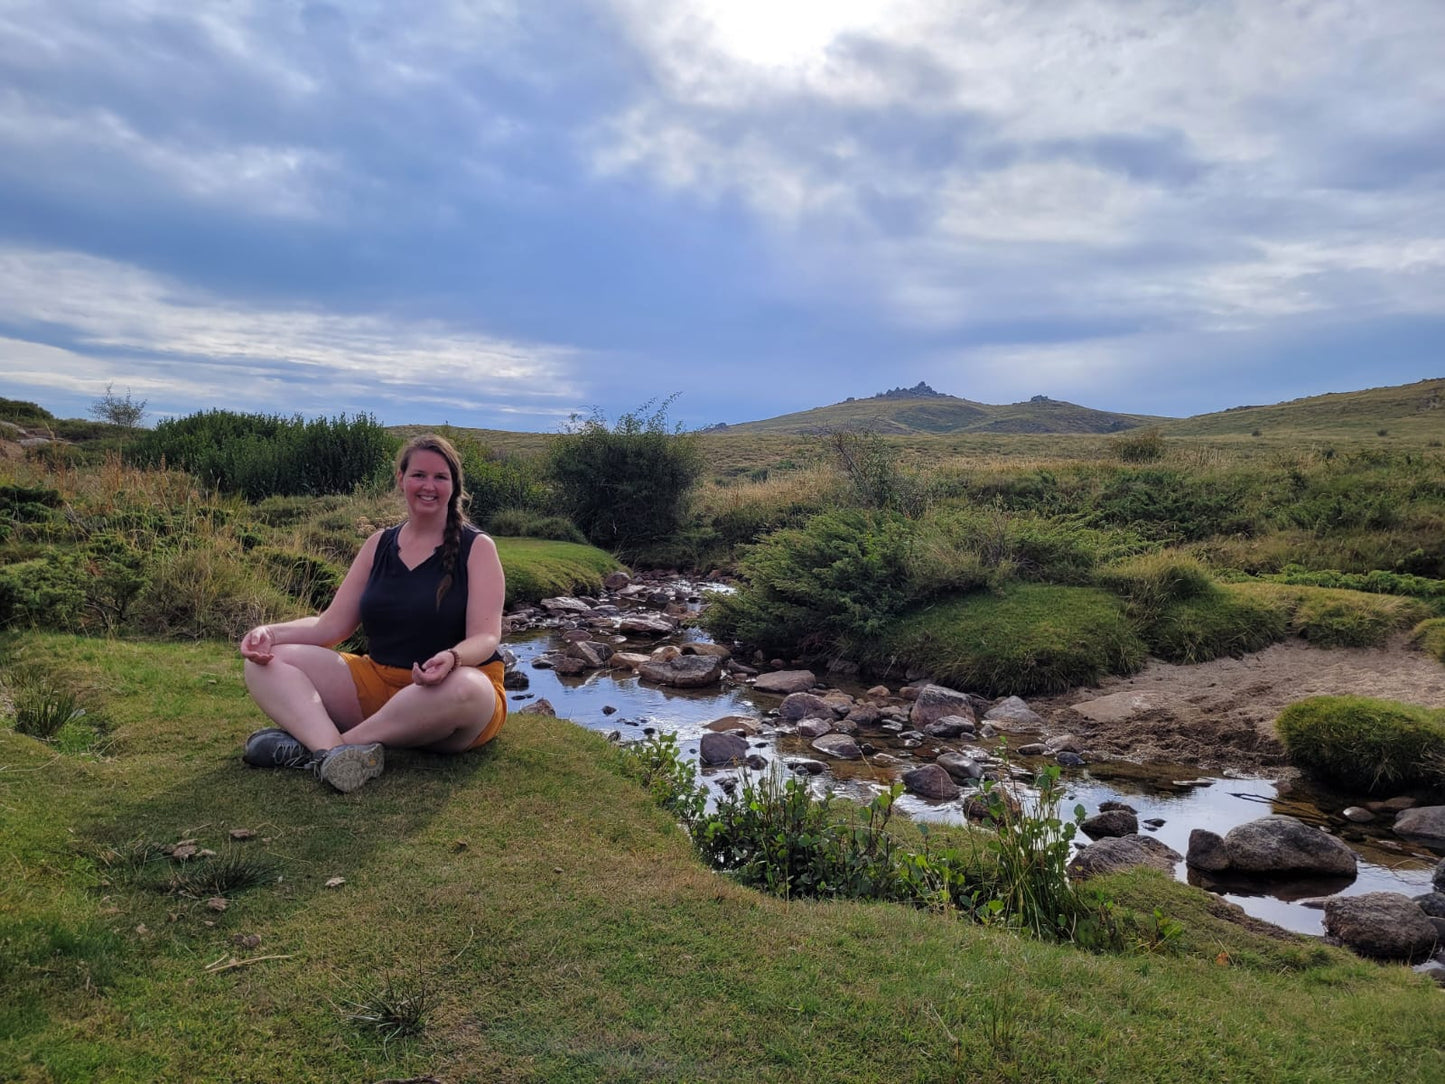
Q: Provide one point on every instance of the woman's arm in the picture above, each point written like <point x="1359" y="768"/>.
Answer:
<point x="486" y="593"/>
<point x="330" y="626"/>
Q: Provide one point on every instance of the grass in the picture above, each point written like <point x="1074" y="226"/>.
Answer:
<point x="1023" y="640"/>
<point x="564" y="931"/>
<point x="1331" y="617"/>
<point x="537" y="568"/>
<point x="1365" y="745"/>
<point x="1430" y="635"/>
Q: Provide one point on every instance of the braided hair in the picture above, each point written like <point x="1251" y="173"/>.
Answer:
<point x="452" y="536"/>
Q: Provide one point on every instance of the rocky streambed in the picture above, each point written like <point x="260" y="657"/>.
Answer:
<point x="629" y="663"/>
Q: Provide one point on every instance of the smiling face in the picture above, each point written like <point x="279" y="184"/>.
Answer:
<point x="426" y="483"/>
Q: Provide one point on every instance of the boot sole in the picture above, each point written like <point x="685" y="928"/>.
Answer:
<point x="352" y="765"/>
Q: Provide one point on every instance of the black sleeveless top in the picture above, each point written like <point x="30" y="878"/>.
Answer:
<point x="399" y="611"/>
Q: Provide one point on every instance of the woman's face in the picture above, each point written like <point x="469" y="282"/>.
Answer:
<point x="426" y="482"/>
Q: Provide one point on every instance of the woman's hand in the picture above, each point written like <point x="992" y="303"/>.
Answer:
<point x="259" y="645"/>
<point x="436" y="669"/>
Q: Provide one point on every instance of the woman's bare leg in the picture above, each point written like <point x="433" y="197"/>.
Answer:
<point x="308" y="692"/>
<point x="444" y="718"/>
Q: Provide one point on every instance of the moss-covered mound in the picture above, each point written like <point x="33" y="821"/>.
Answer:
<point x="1369" y="746"/>
<point x="1023" y="640"/>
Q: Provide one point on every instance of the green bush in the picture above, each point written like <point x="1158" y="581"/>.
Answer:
<point x="1367" y="746"/>
<point x="625" y="485"/>
<point x="44" y="593"/>
<point x="23" y="412"/>
<point x="1430" y="635"/>
<point x="1023" y="640"/>
<point x="263" y="455"/>
<point x="1378" y="581"/>
<point x="1171" y="506"/>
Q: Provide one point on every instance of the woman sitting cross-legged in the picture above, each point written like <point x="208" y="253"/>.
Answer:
<point x="428" y="594"/>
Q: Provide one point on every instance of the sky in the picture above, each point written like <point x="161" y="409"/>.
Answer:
<point x="504" y="214"/>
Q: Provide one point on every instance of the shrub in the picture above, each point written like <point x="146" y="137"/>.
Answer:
<point x="23" y="412"/>
<point x="871" y="466"/>
<point x="206" y="590"/>
<point x="1138" y="446"/>
<point x="1171" y="506"/>
<point x="1369" y="746"/>
<point x="1023" y="640"/>
<point x="44" y="592"/>
<point x="625" y="485"/>
<point x="262" y="455"/>
<point x="1430" y="635"/>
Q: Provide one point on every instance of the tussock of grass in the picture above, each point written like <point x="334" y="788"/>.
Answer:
<point x="1024" y="640"/>
<point x="1365" y="745"/>
<point x="1430" y="636"/>
<point x="1223" y="621"/>
<point x="570" y="933"/>
<point x="1328" y="617"/>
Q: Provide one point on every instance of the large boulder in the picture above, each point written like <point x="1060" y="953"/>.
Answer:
<point x="1386" y="925"/>
<point x="930" y="781"/>
<point x="935" y="702"/>
<point x="1425" y="823"/>
<point x="815" y="728"/>
<point x="785" y="681"/>
<point x="683" y="672"/>
<point x="804" y="706"/>
<point x="647" y="624"/>
<point x="1122" y="852"/>
<point x="702" y="647"/>
<point x="1278" y="844"/>
<point x="564" y="604"/>
<point x="591" y="652"/>
<point x="717" y="750"/>
<point x="1207" y="851"/>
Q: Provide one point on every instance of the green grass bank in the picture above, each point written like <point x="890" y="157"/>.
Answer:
<point x="564" y="931"/>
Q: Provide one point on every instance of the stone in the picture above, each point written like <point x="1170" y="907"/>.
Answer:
<point x="932" y="782"/>
<point x="1111" y="822"/>
<point x="864" y="715"/>
<point x="746" y="723"/>
<point x="564" y="605"/>
<point x="683" y="672"/>
<point x="976" y="807"/>
<point x="804" y="706"/>
<point x="1432" y="969"/>
<point x="878" y="692"/>
<point x="840" y="704"/>
<point x="815" y="728"/>
<point x="1116" y="853"/>
<point x="808" y="766"/>
<point x="1279" y="844"/>
<point x="1012" y="712"/>
<point x="1438" y="880"/>
<point x="716" y="750"/>
<point x="1425" y="823"/>
<point x="1106" y="806"/>
<point x="695" y="647"/>
<point x="962" y="768"/>
<point x="542" y="706"/>
<point x="1063" y="743"/>
<point x="1385" y="925"/>
<point x="756" y="762"/>
<point x="647" y="624"/>
<point x="569" y="666"/>
<point x="616" y="581"/>
<point x="950" y="726"/>
<point x="1032" y="749"/>
<point x="934" y="702"/>
<point x="840" y="746"/>
<point x="516" y="680"/>
<point x="665" y="653"/>
<point x="785" y="681"/>
<point x="1432" y="903"/>
<point x="1207" y="851"/>
<point x="626" y="660"/>
<point x="1070" y="760"/>
<point x="594" y="654"/>
<point x="1118" y="707"/>
<point x="1357" y="815"/>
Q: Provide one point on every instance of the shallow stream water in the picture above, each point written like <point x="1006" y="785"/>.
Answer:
<point x="1179" y="795"/>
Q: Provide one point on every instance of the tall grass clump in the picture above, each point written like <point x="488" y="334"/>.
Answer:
<point x="626" y="484"/>
<point x="262" y="455"/>
<point x="1138" y="445"/>
<point x="1430" y="636"/>
<point x="1334" y="618"/>
<point x="1366" y="746"/>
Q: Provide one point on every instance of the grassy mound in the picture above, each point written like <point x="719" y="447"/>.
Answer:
<point x="526" y="913"/>
<point x="1369" y="746"/>
<point x="1430" y="635"/>
<point x="539" y="568"/>
<point x="1024" y="640"/>
<point x="1223" y="621"/>
<point x="1331" y="617"/>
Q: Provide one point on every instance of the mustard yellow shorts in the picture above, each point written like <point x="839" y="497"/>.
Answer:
<point x="376" y="684"/>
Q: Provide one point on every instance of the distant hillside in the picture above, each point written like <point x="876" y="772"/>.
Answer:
<point x="921" y="410"/>
<point x="1405" y="410"/>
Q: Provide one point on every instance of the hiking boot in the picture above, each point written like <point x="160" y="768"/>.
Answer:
<point x="346" y="767"/>
<point x="272" y="748"/>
